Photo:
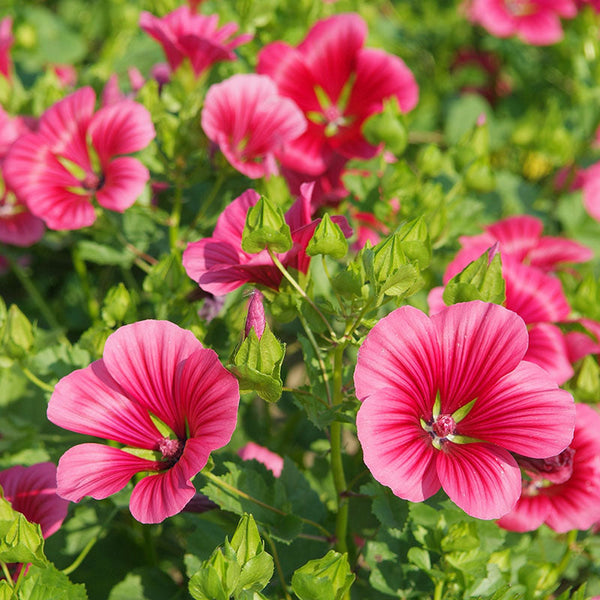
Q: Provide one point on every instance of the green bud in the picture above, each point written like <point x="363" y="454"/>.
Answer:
<point x="266" y="228"/>
<point x="479" y="176"/>
<point x="430" y="160"/>
<point x="387" y="127"/>
<point x="328" y="239"/>
<point x="480" y="280"/>
<point x="327" y="578"/>
<point x="18" y="333"/>
<point x="116" y="305"/>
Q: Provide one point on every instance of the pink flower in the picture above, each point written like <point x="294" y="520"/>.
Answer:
<point x="6" y="42"/>
<point x="75" y="156"/>
<point x="591" y="190"/>
<point x="165" y="398"/>
<point x="32" y="492"/>
<point x="581" y="344"/>
<point x="521" y="238"/>
<point x="272" y="461"/>
<point x="185" y="34"/>
<point x="562" y="491"/>
<point x="534" y="21"/>
<point x="112" y="94"/>
<point x="18" y="226"/>
<point x="446" y="399"/>
<point x="219" y="264"/>
<point x="338" y="84"/>
<point x="66" y="74"/>
<point x="250" y="122"/>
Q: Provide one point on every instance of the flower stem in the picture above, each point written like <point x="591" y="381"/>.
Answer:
<point x="35" y="295"/>
<point x="35" y="380"/>
<point x="302" y="293"/>
<point x="7" y="575"/>
<point x="209" y="200"/>
<point x="278" y="565"/>
<point x="439" y="588"/>
<point x="175" y="218"/>
<point x="564" y="561"/>
<point x="337" y="467"/>
<point x="93" y="306"/>
<point x="230" y="488"/>
<point x="68" y="570"/>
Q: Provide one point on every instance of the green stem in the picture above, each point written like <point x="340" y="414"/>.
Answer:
<point x="302" y="293"/>
<point x="93" y="306"/>
<point x="337" y="467"/>
<point x="34" y="379"/>
<point x="226" y="486"/>
<point x="278" y="566"/>
<point x="216" y="188"/>
<point x="35" y="295"/>
<point x="7" y="575"/>
<point x="313" y="343"/>
<point x="564" y="561"/>
<point x="352" y="327"/>
<point x="68" y="570"/>
<point x="439" y="588"/>
<point x="175" y="218"/>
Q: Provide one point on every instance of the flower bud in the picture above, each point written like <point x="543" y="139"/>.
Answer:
<point x="256" y="315"/>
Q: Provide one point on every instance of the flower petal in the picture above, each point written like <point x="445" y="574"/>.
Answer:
<point x="97" y="471"/>
<point x="402" y="352"/>
<point x="528" y="514"/>
<point x="89" y="401"/>
<point x="32" y="492"/>
<point x="480" y="343"/>
<point x="121" y="128"/>
<point x="396" y="449"/>
<point x="548" y="349"/>
<point x="209" y="396"/>
<point x="482" y="479"/>
<point x="143" y="359"/>
<point x="124" y="181"/>
<point x="525" y="412"/>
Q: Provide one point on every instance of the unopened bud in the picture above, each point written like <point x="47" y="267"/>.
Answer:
<point x="256" y="315"/>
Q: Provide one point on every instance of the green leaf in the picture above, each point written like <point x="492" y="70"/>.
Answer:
<point x="145" y="583"/>
<point x="391" y="511"/>
<point x="266" y="228"/>
<point x="257" y="482"/>
<point x="20" y="540"/>
<point x="206" y="585"/>
<point x="103" y="254"/>
<point x="479" y="280"/>
<point x="327" y="578"/>
<point x="419" y="557"/>
<point x="328" y="239"/>
<point x="48" y="583"/>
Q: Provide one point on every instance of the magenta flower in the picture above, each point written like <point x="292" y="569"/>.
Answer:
<point x="271" y="460"/>
<point x="6" y="42"/>
<point x="338" y="84"/>
<point x="185" y="34"/>
<point x="521" y="238"/>
<point x="32" y="492"/>
<point x="76" y="155"/>
<point x="165" y="398"/>
<point x="581" y="344"/>
<point x="219" y="264"/>
<point x="250" y="122"/>
<point x="255" y="318"/>
<point x="18" y="226"/>
<point x="562" y="491"/>
<point x="534" y="21"/>
<point x="446" y="399"/>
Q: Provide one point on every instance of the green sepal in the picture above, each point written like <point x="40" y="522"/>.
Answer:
<point x="162" y="427"/>
<point x="387" y="127"/>
<point x="328" y="239"/>
<point x="257" y="365"/>
<point x="479" y="175"/>
<point x="327" y="578"/>
<point x="116" y="305"/>
<point x="478" y="281"/>
<point x="416" y="245"/>
<point x="463" y="411"/>
<point x="266" y="228"/>
<point x="20" y="540"/>
<point x="153" y="455"/>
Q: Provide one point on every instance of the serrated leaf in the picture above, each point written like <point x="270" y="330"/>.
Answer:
<point x="103" y="254"/>
<point x="45" y="583"/>
<point x="391" y="511"/>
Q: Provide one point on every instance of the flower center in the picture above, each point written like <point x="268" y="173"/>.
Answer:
<point x="441" y="429"/>
<point x="171" y="450"/>
<point x="92" y="181"/>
